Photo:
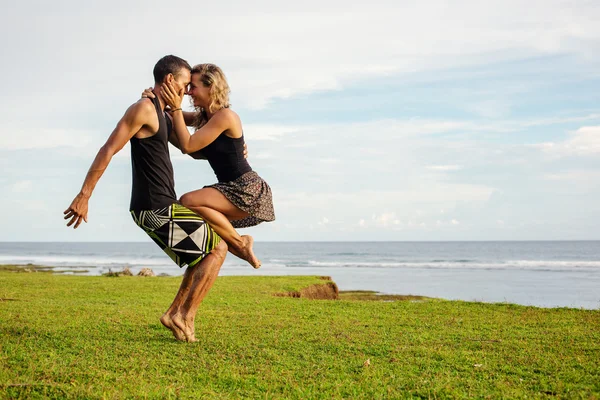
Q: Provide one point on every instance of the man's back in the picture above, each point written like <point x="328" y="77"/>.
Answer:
<point x="153" y="184"/>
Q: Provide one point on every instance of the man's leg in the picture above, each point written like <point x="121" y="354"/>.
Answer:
<point x="167" y="318"/>
<point x="196" y="283"/>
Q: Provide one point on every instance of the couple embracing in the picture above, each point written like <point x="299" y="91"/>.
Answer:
<point x="197" y="230"/>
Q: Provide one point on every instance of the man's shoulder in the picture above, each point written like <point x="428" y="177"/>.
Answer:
<point x="143" y="107"/>
<point x="142" y="112"/>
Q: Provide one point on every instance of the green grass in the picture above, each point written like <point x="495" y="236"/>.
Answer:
<point x="67" y="336"/>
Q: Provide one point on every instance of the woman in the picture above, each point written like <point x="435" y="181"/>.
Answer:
<point x="241" y="198"/>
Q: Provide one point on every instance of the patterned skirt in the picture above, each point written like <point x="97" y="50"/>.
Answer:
<point x="249" y="193"/>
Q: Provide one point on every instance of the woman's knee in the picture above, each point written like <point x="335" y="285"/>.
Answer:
<point x="184" y="200"/>
<point x="189" y="200"/>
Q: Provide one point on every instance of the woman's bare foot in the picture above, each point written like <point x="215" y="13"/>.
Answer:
<point x="248" y="251"/>
<point x="168" y="322"/>
<point x="187" y="327"/>
<point x="245" y="250"/>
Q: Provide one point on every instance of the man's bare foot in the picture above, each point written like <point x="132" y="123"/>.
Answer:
<point x="187" y="327"/>
<point x="191" y="338"/>
<point x="249" y="251"/>
<point x="168" y="322"/>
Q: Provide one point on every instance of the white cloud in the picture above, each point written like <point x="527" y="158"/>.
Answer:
<point x="444" y="167"/>
<point x="571" y="176"/>
<point x="386" y="219"/>
<point x="269" y="131"/>
<point x="388" y="209"/>
<point x="585" y="141"/>
<point x="22" y="186"/>
<point x="324" y="221"/>
<point x="36" y="138"/>
<point x="263" y="156"/>
<point x="445" y="223"/>
<point x="270" y="53"/>
<point x="438" y="193"/>
<point x="494" y="108"/>
<point x="313" y="134"/>
<point x="560" y="120"/>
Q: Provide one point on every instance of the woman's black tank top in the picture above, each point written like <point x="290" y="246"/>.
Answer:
<point x="226" y="157"/>
<point x="153" y="183"/>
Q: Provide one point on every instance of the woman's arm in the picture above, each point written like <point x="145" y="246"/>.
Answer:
<point x="189" y="117"/>
<point x="219" y="123"/>
<point x="197" y="155"/>
<point x="204" y="136"/>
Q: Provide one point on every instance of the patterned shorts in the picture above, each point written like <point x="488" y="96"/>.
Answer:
<point x="181" y="233"/>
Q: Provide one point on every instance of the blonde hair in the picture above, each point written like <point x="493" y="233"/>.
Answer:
<point x="213" y="77"/>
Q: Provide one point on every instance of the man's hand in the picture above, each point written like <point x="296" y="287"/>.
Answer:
<point x="245" y="150"/>
<point x="148" y="93"/>
<point x="77" y="211"/>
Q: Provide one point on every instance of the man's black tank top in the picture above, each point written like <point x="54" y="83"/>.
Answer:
<point x="153" y="184"/>
<point x="226" y="157"/>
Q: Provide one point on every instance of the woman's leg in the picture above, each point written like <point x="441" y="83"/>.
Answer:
<point x="217" y="210"/>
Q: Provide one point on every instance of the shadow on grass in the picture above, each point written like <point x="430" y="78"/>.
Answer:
<point x="33" y="390"/>
<point x="14" y="331"/>
<point x="375" y="296"/>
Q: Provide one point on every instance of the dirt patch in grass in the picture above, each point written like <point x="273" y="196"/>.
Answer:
<point x="375" y="296"/>
<point x="26" y="268"/>
<point x="40" y="268"/>
<point x="324" y="291"/>
<point x="330" y="291"/>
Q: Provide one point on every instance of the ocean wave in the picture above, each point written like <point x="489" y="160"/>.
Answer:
<point x="67" y="261"/>
<point x="350" y="253"/>
<point x="161" y="261"/>
<point x="550" y="265"/>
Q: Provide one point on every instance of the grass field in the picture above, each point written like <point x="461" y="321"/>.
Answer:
<point x="100" y="337"/>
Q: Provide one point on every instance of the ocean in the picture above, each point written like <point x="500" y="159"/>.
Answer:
<point x="543" y="274"/>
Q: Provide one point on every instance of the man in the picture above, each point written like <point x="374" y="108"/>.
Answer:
<point x="183" y="235"/>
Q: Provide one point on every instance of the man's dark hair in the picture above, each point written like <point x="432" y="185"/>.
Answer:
<point x="169" y="65"/>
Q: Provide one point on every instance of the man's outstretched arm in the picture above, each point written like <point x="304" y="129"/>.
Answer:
<point x="135" y="117"/>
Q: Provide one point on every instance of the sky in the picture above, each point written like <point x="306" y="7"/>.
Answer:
<point x="386" y="120"/>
